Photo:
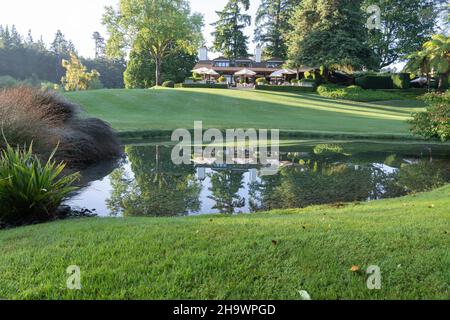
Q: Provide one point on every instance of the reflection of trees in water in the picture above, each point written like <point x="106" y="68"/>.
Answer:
<point x="314" y="182"/>
<point x="159" y="188"/>
<point x="417" y="177"/>
<point x="301" y="186"/>
<point x="225" y="186"/>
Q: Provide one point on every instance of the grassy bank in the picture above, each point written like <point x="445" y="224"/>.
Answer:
<point x="260" y="256"/>
<point x="162" y="110"/>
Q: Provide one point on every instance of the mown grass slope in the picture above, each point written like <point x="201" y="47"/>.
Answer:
<point x="258" y="256"/>
<point x="168" y="109"/>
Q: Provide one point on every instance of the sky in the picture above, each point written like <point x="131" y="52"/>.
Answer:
<point x="79" y="19"/>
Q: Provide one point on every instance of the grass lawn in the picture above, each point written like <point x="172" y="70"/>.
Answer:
<point x="223" y="257"/>
<point x="168" y="109"/>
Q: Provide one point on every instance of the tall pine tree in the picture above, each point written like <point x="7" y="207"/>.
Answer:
<point x="272" y="26"/>
<point x="229" y="37"/>
<point x="330" y="33"/>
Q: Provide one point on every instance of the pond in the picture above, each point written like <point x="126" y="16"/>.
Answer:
<point x="147" y="183"/>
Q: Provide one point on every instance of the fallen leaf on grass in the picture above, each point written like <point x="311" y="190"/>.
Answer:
<point x="355" y="269"/>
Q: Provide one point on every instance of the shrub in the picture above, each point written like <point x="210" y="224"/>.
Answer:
<point x="7" y="82"/>
<point x="222" y="79"/>
<point x="375" y="82"/>
<point x="261" y="81"/>
<point x="285" y="88"/>
<point x="205" y="85"/>
<point x="295" y="81"/>
<point x="31" y="191"/>
<point x="326" y="149"/>
<point x="356" y="93"/>
<point x="435" y="122"/>
<point x="44" y="118"/>
<point x="168" y="84"/>
<point x="401" y="80"/>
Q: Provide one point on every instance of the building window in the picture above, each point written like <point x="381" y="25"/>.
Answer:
<point x="222" y="64"/>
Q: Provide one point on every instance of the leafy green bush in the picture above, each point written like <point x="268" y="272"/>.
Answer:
<point x="295" y="81"/>
<point x="401" y="80"/>
<point x="31" y="191"/>
<point x="356" y="93"/>
<point x="285" y="88"/>
<point x="435" y="122"/>
<point x="261" y="81"/>
<point x="8" y="81"/>
<point x="205" y="85"/>
<point x="222" y="79"/>
<point x="324" y="149"/>
<point x="375" y="82"/>
<point x="168" y="84"/>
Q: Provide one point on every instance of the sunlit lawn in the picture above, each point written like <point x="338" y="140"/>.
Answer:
<point x="257" y="256"/>
<point x="168" y="109"/>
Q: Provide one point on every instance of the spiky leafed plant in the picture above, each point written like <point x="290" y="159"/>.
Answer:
<point x="438" y="49"/>
<point x="30" y="190"/>
<point x="433" y="58"/>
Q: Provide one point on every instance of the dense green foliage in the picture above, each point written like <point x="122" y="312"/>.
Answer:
<point x="168" y="84"/>
<point x="401" y="80"/>
<point x="140" y="72"/>
<point x="272" y="26"/>
<point x="405" y="26"/>
<point x="329" y="33"/>
<point x="259" y="256"/>
<point x="375" y="82"/>
<point x="77" y="77"/>
<point x="356" y="93"/>
<point x="205" y="85"/>
<point x="435" y="122"/>
<point x="31" y="191"/>
<point x="229" y="37"/>
<point x="285" y="88"/>
<point x="23" y="58"/>
<point x="163" y="109"/>
<point x="432" y="59"/>
<point x="156" y="26"/>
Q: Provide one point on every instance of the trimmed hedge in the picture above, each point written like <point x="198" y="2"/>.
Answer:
<point x="375" y="82"/>
<point x="285" y="88"/>
<point x="355" y="93"/>
<point x="401" y="80"/>
<point x="205" y="85"/>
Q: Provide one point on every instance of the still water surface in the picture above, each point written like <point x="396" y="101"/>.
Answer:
<point x="146" y="182"/>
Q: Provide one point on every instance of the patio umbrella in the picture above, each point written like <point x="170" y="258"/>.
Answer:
<point x="281" y="73"/>
<point x="201" y="70"/>
<point x="246" y="73"/>
<point x="211" y="72"/>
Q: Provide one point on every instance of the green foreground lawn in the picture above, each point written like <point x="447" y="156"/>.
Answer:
<point x="223" y="257"/>
<point x="168" y="109"/>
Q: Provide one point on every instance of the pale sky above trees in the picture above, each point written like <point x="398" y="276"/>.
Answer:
<point x="79" y="19"/>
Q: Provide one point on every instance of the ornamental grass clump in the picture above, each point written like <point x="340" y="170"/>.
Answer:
<point x="31" y="191"/>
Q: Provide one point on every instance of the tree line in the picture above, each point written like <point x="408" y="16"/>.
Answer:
<point x="24" y="58"/>
<point x="333" y="34"/>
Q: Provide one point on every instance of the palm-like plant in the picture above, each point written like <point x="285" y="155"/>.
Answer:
<point x="433" y="58"/>
<point x="438" y="49"/>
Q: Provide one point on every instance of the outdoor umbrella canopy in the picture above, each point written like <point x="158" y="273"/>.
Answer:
<point x="201" y="70"/>
<point x="211" y="72"/>
<point x="280" y="73"/>
<point x="245" y="72"/>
